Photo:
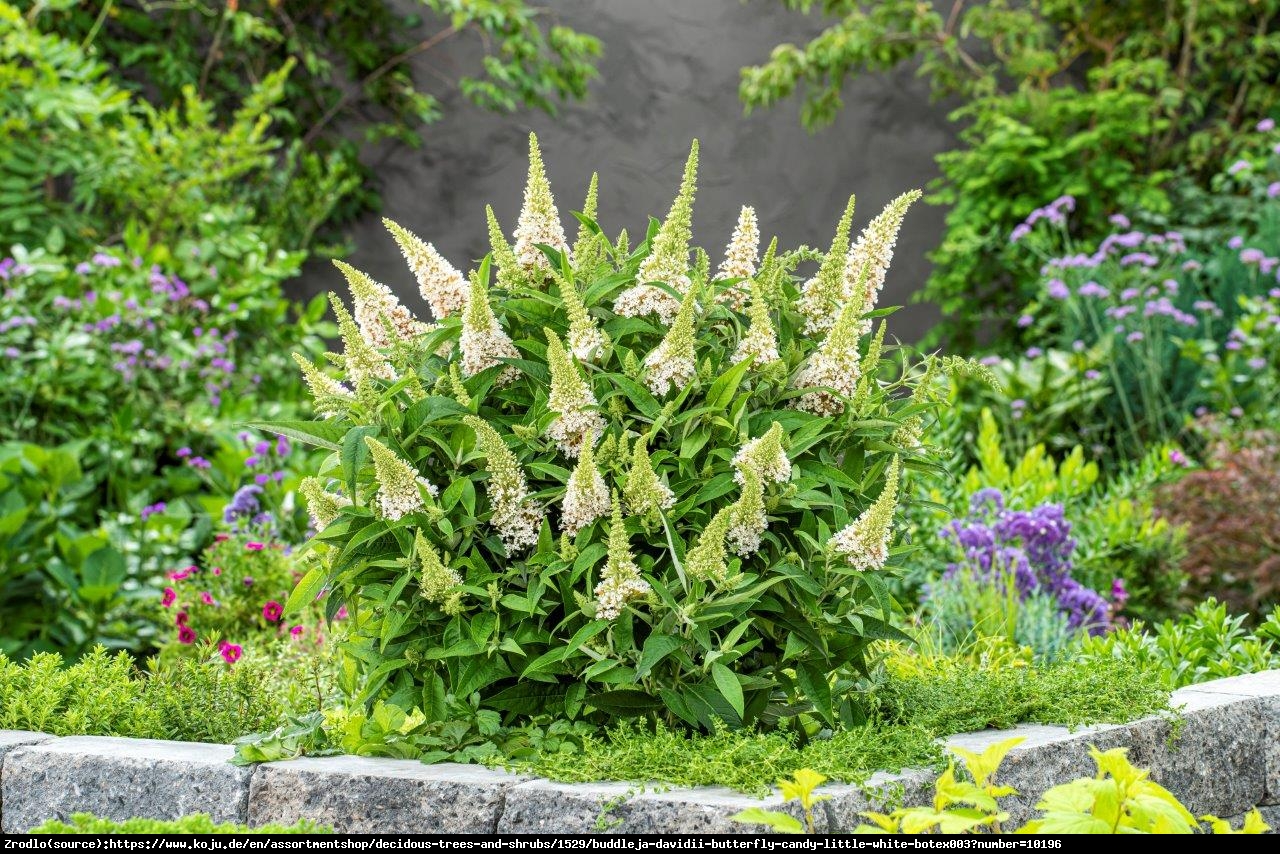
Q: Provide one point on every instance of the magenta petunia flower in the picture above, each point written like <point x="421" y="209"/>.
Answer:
<point x="272" y="611"/>
<point x="254" y="547"/>
<point x="296" y="631"/>
<point x="186" y="634"/>
<point x="231" y="652"/>
<point x="180" y="619"/>
<point x="169" y="597"/>
<point x="207" y="598"/>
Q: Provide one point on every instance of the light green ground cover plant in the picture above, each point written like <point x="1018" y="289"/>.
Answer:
<point x="612" y="482"/>
<point x="911" y="700"/>
<point x="1119" y="799"/>
<point x="82" y="822"/>
<point x="1206" y="644"/>
<point x="186" y="700"/>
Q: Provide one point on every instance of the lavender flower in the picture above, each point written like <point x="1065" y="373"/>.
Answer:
<point x="1034" y="548"/>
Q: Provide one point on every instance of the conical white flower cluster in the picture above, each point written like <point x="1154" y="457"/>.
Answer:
<point x="400" y="486"/>
<point x="675" y="360"/>
<point x="765" y="456"/>
<point x="740" y="258"/>
<point x="539" y="220"/>
<point x="873" y="252"/>
<point x="380" y="316"/>
<point x="668" y="258"/>
<point x="329" y="397"/>
<point x="322" y="505"/>
<point x="760" y="344"/>
<point x="586" y="341"/>
<point x="835" y="365"/>
<point x="864" y="542"/>
<point x="620" y="582"/>
<point x="360" y="361"/>
<point x="642" y="300"/>
<point x="747" y="519"/>
<point x="438" y="583"/>
<point x="441" y="284"/>
<point x="483" y="341"/>
<point x="512" y="514"/>
<point x="577" y="421"/>
<point x="586" y="498"/>
<point x="822" y="296"/>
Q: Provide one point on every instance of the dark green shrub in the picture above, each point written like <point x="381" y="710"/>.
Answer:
<point x="350" y="81"/>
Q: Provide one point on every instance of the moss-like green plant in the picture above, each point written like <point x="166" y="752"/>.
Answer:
<point x="101" y="694"/>
<point x="83" y="822"/>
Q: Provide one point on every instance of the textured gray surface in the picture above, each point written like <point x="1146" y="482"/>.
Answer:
<point x="14" y="738"/>
<point x="355" y="794"/>
<point x="543" y="806"/>
<point x="669" y="74"/>
<point x="120" y="778"/>
<point x="1266" y="687"/>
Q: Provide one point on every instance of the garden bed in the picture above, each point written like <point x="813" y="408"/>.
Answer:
<point x="1221" y="756"/>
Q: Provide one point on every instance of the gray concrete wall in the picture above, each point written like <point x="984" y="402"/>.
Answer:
<point x="670" y="73"/>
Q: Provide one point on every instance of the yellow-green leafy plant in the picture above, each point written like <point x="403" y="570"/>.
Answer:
<point x="802" y="788"/>
<point x="610" y="482"/>
<point x="1118" y="799"/>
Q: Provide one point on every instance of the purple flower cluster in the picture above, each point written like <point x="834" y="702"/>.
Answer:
<point x="158" y="338"/>
<point x="1034" y="547"/>
<point x="1055" y="212"/>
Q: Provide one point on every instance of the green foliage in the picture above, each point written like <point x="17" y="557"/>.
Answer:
<point x="1118" y="533"/>
<point x="82" y="822"/>
<point x="123" y="375"/>
<point x="801" y="787"/>
<point x="1093" y="99"/>
<point x="350" y="81"/>
<point x="83" y="158"/>
<point x="1120" y="799"/>
<point x="995" y="685"/>
<point x="1197" y="647"/>
<point x="101" y="694"/>
<point x="456" y="584"/>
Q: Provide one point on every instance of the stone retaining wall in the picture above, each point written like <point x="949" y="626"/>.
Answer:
<point x="1223" y="758"/>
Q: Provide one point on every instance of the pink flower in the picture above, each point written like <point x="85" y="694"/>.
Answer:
<point x="341" y="613"/>
<point x="183" y="574"/>
<point x="217" y="570"/>
<point x="1178" y="458"/>
<point x="254" y="547"/>
<point x="180" y="619"/>
<point x="272" y="611"/>
<point x="231" y="652"/>
<point x="221" y="538"/>
<point x="186" y="635"/>
<point x="170" y="596"/>
<point x="296" y="631"/>
<point x="207" y="598"/>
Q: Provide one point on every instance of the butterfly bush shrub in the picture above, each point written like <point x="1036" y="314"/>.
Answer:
<point x="611" y="480"/>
